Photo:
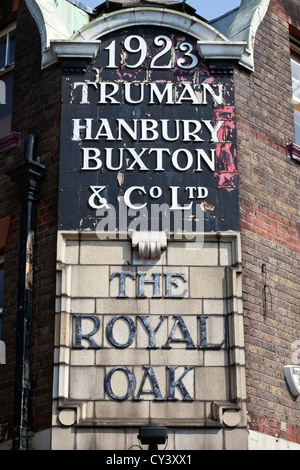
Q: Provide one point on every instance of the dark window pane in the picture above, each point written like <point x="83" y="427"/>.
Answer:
<point x="11" y="48"/>
<point x="6" y="109"/>
<point x="2" y="51"/>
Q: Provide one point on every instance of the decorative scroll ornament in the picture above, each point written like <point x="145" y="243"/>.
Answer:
<point x="150" y="245"/>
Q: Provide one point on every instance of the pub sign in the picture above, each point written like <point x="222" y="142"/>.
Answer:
<point x="148" y="136"/>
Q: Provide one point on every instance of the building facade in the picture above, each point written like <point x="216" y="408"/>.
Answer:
<point x="149" y="215"/>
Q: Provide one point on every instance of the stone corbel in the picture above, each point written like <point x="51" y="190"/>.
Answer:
<point x="150" y="245"/>
<point x="228" y="414"/>
<point x="66" y="49"/>
<point x="221" y="50"/>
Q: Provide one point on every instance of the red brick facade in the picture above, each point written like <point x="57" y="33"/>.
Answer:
<point x="36" y="107"/>
<point x="270" y="224"/>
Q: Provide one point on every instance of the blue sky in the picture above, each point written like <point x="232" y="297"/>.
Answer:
<point x="209" y="9"/>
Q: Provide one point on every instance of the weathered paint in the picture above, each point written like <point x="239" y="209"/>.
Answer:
<point x="220" y="203"/>
<point x="226" y="159"/>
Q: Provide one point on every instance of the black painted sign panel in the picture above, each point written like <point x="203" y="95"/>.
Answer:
<point x="148" y="137"/>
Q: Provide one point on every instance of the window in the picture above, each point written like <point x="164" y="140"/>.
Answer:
<point x="7" y="48"/>
<point x="296" y="96"/>
<point x="293" y="148"/>
<point x="7" y="55"/>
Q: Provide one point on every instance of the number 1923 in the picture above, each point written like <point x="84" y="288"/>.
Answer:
<point x="162" y="60"/>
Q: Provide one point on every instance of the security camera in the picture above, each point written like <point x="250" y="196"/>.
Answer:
<point x="152" y="435"/>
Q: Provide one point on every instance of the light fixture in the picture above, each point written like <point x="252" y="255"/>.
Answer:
<point x="153" y="436"/>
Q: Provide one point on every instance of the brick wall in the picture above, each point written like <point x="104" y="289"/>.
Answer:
<point x="8" y="11"/>
<point x="270" y="225"/>
<point x="36" y="107"/>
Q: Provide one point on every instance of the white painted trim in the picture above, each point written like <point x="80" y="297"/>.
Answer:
<point x="2" y="344"/>
<point x="56" y="42"/>
<point x="8" y="29"/>
<point x="2" y="353"/>
<point x="211" y="43"/>
<point x="140" y="16"/>
<point x="244" y="28"/>
<point x="242" y="32"/>
<point x="49" y="24"/>
<point x="221" y="50"/>
<point x="66" y="48"/>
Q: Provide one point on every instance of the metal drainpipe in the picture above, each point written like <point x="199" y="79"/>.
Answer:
<point x="27" y="176"/>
